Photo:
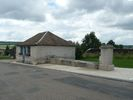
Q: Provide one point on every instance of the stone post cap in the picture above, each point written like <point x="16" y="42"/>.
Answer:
<point x="106" y="47"/>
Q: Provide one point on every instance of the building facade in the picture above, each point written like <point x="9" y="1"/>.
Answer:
<point x="43" y="46"/>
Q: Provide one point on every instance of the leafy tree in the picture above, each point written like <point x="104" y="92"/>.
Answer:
<point x="13" y="52"/>
<point x="78" y="52"/>
<point x="103" y="43"/>
<point x="90" y="41"/>
<point x="111" y="42"/>
<point x="120" y="46"/>
<point x="7" y="51"/>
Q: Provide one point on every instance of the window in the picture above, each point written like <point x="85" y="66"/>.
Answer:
<point x="27" y="49"/>
<point x="21" y="50"/>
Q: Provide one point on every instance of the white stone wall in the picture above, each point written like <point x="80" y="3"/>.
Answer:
<point x="40" y="53"/>
<point x="106" y="58"/>
<point x="53" y="51"/>
<point x="18" y="57"/>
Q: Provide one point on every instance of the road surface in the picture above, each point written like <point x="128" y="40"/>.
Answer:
<point x="21" y="82"/>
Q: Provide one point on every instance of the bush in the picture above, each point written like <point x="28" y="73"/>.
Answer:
<point x="78" y="52"/>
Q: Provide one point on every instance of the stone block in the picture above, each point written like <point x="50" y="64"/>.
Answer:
<point x="106" y="67"/>
<point x="106" y="58"/>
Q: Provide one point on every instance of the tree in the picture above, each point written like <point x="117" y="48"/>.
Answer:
<point x="78" y="52"/>
<point x="111" y="42"/>
<point x="7" y="51"/>
<point x="118" y="46"/>
<point x="13" y="52"/>
<point x="90" y="41"/>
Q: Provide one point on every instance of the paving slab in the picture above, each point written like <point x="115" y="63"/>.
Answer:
<point x="119" y="73"/>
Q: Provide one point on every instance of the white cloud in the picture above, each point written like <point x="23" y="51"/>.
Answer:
<point x="62" y="3"/>
<point x="70" y="19"/>
<point x="23" y="9"/>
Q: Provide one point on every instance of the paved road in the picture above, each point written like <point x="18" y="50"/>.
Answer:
<point x="20" y="82"/>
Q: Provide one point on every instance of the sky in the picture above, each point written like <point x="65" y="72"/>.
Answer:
<point x="69" y="19"/>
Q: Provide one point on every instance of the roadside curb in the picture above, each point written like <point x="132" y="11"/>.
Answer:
<point x="108" y="78"/>
<point x="96" y="76"/>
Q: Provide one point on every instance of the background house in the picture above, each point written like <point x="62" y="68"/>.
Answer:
<point x="42" y="46"/>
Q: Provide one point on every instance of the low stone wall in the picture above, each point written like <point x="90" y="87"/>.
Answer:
<point x="68" y="62"/>
<point x="75" y="63"/>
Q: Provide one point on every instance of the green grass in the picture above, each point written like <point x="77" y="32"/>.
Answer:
<point x="93" y="59"/>
<point x="123" y="61"/>
<point x="4" y="46"/>
<point x="5" y="57"/>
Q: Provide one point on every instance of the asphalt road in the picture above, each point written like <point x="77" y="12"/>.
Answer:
<point x="20" y="82"/>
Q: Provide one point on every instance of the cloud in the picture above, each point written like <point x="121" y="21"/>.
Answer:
<point x="18" y="30"/>
<point x="23" y="9"/>
<point x="121" y="6"/>
<point x="118" y="6"/>
<point x="70" y="19"/>
<point x="125" y="23"/>
<point x="89" y="5"/>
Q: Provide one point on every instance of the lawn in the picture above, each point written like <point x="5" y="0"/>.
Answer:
<point x="122" y="61"/>
<point x="4" y="46"/>
<point x="5" y="57"/>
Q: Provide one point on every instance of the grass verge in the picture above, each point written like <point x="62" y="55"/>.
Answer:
<point x="121" y="61"/>
<point x="5" y="57"/>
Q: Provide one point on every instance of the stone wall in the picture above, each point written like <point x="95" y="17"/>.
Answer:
<point x="106" y="58"/>
<point x="38" y="52"/>
<point x="75" y="63"/>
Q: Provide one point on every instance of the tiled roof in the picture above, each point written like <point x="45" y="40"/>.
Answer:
<point x="46" y="39"/>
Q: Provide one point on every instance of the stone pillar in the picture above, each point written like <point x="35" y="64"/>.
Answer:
<point x="106" y="58"/>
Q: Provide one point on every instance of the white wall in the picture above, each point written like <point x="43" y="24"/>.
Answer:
<point x="54" y="51"/>
<point x="39" y="53"/>
<point x="106" y="58"/>
<point x="18" y="57"/>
